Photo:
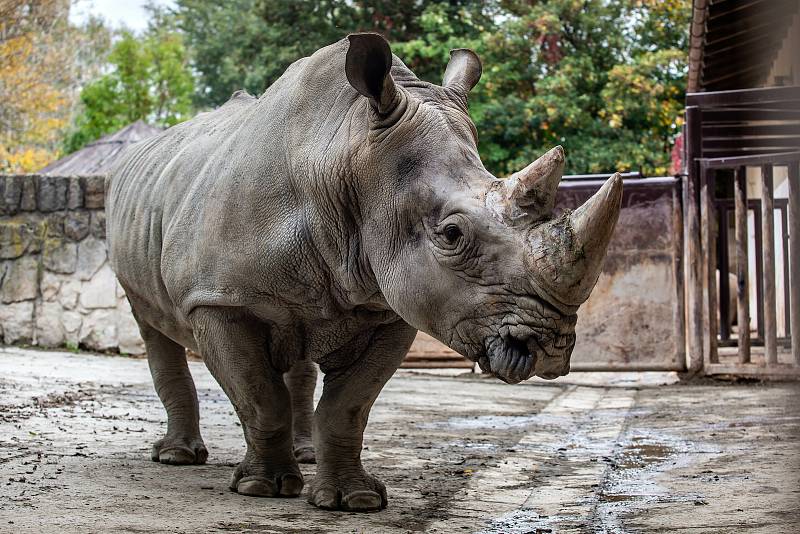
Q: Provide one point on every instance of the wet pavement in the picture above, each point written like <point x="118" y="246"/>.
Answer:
<point x="458" y="453"/>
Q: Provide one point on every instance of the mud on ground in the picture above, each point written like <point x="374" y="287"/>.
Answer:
<point x="457" y="453"/>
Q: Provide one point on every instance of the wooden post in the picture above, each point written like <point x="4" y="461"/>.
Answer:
<point x="694" y="270"/>
<point x="742" y="267"/>
<point x="679" y="307"/>
<point x="724" y="269"/>
<point x="768" y="244"/>
<point x="794" y="257"/>
<point x="758" y="218"/>
<point x="708" y="230"/>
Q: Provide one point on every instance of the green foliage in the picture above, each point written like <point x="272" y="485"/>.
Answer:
<point x="149" y="79"/>
<point x="604" y="79"/>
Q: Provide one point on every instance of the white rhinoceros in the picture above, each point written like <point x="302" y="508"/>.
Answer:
<point x="327" y="221"/>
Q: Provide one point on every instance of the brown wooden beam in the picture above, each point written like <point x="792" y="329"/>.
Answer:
<point x="794" y="258"/>
<point x="742" y="265"/>
<point x="768" y="248"/>
<point x="749" y="130"/>
<point x="746" y="115"/>
<point x="694" y="255"/>
<point x="708" y="228"/>
<point x="736" y="97"/>
<point x="783" y="158"/>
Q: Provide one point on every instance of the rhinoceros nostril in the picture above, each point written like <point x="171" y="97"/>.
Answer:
<point x="516" y="344"/>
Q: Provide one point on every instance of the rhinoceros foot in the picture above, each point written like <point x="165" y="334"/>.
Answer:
<point x="179" y="451"/>
<point x="353" y="492"/>
<point x="259" y="480"/>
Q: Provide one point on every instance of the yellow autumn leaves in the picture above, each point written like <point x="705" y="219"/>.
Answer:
<point x="34" y="83"/>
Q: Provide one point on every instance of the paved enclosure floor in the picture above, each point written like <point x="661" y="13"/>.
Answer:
<point x="457" y="453"/>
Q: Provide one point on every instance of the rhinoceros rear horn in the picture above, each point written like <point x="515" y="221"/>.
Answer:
<point x="367" y="66"/>
<point x="533" y="190"/>
<point x="463" y="70"/>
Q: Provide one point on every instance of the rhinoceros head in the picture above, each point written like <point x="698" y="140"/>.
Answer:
<point x="478" y="262"/>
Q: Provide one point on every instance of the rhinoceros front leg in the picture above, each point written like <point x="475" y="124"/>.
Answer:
<point x="301" y="380"/>
<point x="234" y="348"/>
<point x="347" y="396"/>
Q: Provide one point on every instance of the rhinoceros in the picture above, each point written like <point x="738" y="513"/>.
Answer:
<point x="323" y="224"/>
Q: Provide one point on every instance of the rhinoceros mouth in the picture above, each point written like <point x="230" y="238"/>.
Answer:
<point x="514" y="358"/>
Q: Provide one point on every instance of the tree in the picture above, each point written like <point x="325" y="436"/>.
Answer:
<point x="604" y="79"/>
<point x="149" y="79"/>
<point x="34" y="86"/>
<point x="248" y="44"/>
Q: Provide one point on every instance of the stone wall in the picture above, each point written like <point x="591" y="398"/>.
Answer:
<point x="56" y="285"/>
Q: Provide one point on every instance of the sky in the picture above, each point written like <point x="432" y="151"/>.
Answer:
<point x="119" y="13"/>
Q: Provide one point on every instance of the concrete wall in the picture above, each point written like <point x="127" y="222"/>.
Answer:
<point x="630" y="318"/>
<point x="56" y="286"/>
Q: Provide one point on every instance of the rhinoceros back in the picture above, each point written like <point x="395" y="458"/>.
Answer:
<point x="213" y="211"/>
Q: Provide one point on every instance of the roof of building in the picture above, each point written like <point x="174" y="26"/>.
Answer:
<point x="733" y="43"/>
<point x="97" y="156"/>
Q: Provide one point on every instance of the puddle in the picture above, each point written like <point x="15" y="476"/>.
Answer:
<point x="640" y="454"/>
<point x="618" y="498"/>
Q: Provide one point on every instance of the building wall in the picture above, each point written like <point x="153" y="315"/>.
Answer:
<point x="56" y="286"/>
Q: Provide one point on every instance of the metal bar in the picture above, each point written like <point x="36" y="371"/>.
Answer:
<point x="679" y="306"/>
<point x="638" y="183"/>
<point x="743" y="297"/>
<point x="780" y="158"/>
<point x="708" y="230"/>
<point x="768" y="246"/>
<point x="787" y="323"/>
<point x="603" y="177"/>
<point x="694" y="275"/>
<point x="724" y="269"/>
<point x="794" y="258"/>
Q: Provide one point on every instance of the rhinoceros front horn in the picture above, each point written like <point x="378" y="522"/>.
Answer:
<point x="568" y="252"/>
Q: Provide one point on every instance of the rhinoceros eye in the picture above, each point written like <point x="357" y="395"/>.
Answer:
<point x="452" y="233"/>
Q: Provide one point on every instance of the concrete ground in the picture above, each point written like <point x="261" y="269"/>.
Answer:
<point x="591" y="453"/>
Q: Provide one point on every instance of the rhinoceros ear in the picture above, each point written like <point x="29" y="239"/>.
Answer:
<point x="463" y="70"/>
<point x="368" y="63"/>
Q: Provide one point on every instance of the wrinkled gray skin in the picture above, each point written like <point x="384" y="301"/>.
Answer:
<point x="326" y="222"/>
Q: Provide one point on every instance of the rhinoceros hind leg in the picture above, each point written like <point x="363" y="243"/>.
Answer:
<point x="301" y="380"/>
<point x="234" y="348"/>
<point x="182" y="445"/>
